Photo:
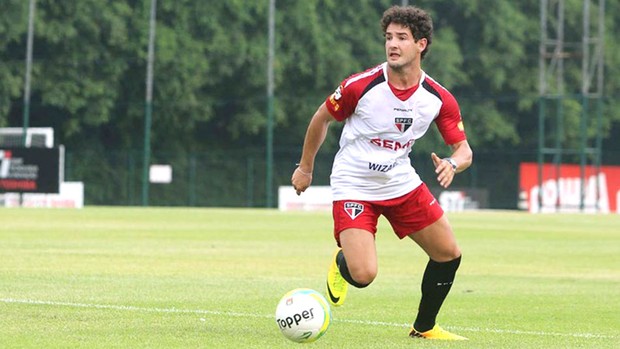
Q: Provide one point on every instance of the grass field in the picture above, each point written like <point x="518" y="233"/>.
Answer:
<point x="211" y="278"/>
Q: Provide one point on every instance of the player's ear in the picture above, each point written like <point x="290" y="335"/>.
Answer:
<point x="422" y="43"/>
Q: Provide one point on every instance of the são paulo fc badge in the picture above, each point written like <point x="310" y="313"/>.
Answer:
<point x="353" y="209"/>
<point x="403" y="124"/>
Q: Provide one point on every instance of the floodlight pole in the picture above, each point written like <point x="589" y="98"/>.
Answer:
<point x="148" y="106"/>
<point x="270" y="111"/>
<point x="28" y="71"/>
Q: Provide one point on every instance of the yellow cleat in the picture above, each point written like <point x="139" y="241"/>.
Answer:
<point x="337" y="286"/>
<point x="436" y="333"/>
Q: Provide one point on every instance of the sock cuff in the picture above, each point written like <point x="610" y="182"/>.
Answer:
<point x="449" y="265"/>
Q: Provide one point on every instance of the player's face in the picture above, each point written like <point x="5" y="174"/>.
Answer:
<point x="401" y="48"/>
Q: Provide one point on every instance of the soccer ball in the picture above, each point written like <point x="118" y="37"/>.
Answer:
<point x="303" y="315"/>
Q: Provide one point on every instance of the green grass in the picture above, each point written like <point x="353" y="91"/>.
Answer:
<point x="211" y="278"/>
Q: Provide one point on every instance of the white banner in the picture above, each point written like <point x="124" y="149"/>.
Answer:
<point x="71" y="195"/>
<point x="317" y="198"/>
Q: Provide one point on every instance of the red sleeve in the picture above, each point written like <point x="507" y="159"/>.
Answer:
<point x="342" y="102"/>
<point x="449" y="120"/>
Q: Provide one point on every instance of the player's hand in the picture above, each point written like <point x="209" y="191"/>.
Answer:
<point x="443" y="169"/>
<point x="301" y="180"/>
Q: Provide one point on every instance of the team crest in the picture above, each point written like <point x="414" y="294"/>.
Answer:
<point x="353" y="209"/>
<point x="403" y="124"/>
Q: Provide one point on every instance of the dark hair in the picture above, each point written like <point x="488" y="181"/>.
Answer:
<point x="417" y="20"/>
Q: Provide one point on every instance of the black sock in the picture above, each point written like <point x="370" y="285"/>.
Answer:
<point x="344" y="271"/>
<point x="436" y="284"/>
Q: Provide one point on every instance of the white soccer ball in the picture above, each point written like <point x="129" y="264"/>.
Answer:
<point x="303" y="315"/>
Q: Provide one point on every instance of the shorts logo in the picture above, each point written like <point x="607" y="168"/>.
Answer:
<point x="403" y="124"/>
<point x="353" y="209"/>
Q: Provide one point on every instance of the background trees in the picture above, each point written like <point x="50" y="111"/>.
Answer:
<point x="210" y="69"/>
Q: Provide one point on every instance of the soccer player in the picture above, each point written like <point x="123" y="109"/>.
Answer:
<point x="385" y="110"/>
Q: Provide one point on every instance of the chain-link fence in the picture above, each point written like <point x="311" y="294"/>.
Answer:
<point x="237" y="178"/>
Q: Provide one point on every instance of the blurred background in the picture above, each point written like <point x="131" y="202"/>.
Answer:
<point x="221" y="95"/>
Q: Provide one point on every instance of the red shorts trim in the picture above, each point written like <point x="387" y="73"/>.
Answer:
<point x="407" y="214"/>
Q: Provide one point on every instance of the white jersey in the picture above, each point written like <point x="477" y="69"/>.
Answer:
<point x="381" y="125"/>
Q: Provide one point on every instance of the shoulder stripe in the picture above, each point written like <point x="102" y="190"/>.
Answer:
<point x="431" y="89"/>
<point x="363" y="75"/>
<point x="376" y="81"/>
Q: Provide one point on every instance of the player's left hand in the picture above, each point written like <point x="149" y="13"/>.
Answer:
<point x="443" y="169"/>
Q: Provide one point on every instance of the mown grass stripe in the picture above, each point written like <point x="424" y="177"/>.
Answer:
<point x="237" y="314"/>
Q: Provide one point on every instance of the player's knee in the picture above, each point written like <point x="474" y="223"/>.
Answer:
<point x="454" y="253"/>
<point x="447" y="254"/>
<point x="363" y="278"/>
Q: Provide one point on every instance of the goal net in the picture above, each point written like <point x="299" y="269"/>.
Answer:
<point x="36" y="137"/>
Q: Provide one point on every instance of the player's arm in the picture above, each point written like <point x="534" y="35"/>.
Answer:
<point x="315" y="135"/>
<point x="459" y="161"/>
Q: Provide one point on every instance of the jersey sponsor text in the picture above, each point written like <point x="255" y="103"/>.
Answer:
<point x="391" y="144"/>
<point x="380" y="167"/>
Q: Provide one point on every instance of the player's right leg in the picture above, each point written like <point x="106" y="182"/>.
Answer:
<point x="355" y="223"/>
<point x="337" y="286"/>
<point x="359" y="263"/>
<point x="355" y="263"/>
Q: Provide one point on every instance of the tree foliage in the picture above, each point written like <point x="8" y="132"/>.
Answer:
<point x="88" y="79"/>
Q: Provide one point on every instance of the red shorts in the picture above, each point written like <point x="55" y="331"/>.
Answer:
<point x="407" y="214"/>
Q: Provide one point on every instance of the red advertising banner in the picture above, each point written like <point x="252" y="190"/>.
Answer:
<point x="562" y="187"/>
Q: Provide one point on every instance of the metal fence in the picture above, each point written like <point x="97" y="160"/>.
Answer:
<point x="237" y="178"/>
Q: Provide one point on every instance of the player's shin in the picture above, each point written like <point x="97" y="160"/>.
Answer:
<point x="436" y="284"/>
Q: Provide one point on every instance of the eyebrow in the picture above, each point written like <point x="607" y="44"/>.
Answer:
<point x="399" y="33"/>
